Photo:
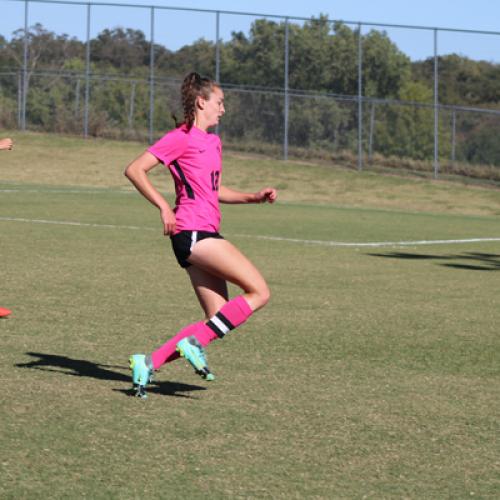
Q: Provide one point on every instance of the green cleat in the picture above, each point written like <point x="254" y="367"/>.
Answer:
<point x="141" y="374"/>
<point x="194" y="353"/>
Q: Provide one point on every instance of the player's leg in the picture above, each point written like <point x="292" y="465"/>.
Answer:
<point x="210" y="290"/>
<point x="213" y="261"/>
<point x="190" y="341"/>
<point x="220" y="258"/>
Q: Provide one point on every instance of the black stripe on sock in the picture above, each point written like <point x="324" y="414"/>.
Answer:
<point x="214" y="328"/>
<point x="225" y="320"/>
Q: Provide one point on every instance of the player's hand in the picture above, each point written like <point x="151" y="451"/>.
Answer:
<point x="266" y="194"/>
<point x="6" y="143"/>
<point x="168" y="220"/>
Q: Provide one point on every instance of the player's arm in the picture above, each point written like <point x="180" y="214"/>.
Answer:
<point x="228" y="195"/>
<point x="137" y="173"/>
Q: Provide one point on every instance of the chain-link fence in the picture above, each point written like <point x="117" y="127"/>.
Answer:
<point x="360" y="128"/>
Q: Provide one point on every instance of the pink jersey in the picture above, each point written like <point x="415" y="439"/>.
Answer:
<point x="194" y="158"/>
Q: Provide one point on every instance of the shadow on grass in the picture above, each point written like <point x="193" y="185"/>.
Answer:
<point x="474" y="261"/>
<point x="84" y="368"/>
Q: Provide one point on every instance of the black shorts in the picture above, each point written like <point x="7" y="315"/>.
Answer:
<point x="184" y="241"/>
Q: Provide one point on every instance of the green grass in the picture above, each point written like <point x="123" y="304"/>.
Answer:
<point x="372" y="373"/>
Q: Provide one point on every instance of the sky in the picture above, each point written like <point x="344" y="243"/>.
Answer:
<point x="174" y="29"/>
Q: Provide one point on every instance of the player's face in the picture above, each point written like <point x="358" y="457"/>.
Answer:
<point x="213" y="107"/>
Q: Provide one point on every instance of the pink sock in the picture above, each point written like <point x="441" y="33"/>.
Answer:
<point x="167" y="352"/>
<point x="231" y="314"/>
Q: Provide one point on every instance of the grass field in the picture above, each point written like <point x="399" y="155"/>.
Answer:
<point x="374" y="372"/>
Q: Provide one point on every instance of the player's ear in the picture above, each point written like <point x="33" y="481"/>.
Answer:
<point x="200" y="102"/>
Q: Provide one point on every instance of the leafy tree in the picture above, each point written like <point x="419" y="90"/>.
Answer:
<point x="310" y="54"/>
<point x="462" y="80"/>
<point x="405" y="130"/>
<point x="258" y="59"/>
<point x="323" y="60"/>
<point x="124" y="49"/>
<point x="386" y="70"/>
<point x="199" y="56"/>
<point x="482" y="145"/>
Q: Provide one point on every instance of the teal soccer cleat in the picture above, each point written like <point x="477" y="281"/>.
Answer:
<point x="141" y="374"/>
<point x="192" y="350"/>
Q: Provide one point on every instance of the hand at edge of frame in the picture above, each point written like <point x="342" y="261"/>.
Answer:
<point x="6" y="143"/>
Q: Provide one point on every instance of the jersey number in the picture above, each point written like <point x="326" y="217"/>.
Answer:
<point x="215" y="180"/>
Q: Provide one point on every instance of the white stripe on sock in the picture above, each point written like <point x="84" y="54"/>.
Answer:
<point x="219" y="324"/>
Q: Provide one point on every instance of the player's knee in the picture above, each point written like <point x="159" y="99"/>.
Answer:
<point x="264" y="295"/>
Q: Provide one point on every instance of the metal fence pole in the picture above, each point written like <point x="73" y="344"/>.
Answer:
<point x="152" y="78"/>
<point x="360" y="99"/>
<point x="372" y="126"/>
<point x="436" y="109"/>
<point x="217" y="56"/>
<point x="217" y="46"/>
<point x="77" y="98"/>
<point x="287" y="97"/>
<point x="25" y="68"/>
<point x="19" y="98"/>
<point x="87" y="78"/>
<point x="132" y="106"/>
<point x="453" y="135"/>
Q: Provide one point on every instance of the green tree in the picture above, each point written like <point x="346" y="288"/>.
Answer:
<point x="386" y="70"/>
<point x="124" y="49"/>
<point x="462" y="81"/>
<point x="406" y="130"/>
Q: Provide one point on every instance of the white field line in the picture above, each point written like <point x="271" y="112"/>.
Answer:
<point x="370" y="244"/>
<point x="65" y="191"/>
<point x="70" y="223"/>
<point x="374" y="244"/>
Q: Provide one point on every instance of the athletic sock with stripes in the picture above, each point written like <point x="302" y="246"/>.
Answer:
<point x="231" y="314"/>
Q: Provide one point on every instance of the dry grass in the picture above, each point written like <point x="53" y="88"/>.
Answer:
<point x="371" y="374"/>
<point x="69" y="161"/>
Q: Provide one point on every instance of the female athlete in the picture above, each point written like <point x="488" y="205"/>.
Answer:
<point x="194" y="158"/>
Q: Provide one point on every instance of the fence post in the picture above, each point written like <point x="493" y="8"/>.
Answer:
<point x="25" y="68"/>
<point x="87" y="78"/>
<point x="77" y="98"/>
<point x="360" y="99"/>
<point x="453" y="135"/>
<point x="132" y="106"/>
<point x="436" y="106"/>
<point x="217" y="46"/>
<point x="19" y="98"/>
<point x="287" y="97"/>
<point x="372" y="126"/>
<point x="152" y="78"/>
<point x="217" y="55"/>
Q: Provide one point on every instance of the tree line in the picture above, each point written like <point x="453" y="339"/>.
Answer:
<point x="322" y="77"/>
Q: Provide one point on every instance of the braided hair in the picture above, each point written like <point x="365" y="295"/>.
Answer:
<point x="194" y="86"/>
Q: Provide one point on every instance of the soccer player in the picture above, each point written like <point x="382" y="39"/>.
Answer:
<point x="194" y="157"/>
